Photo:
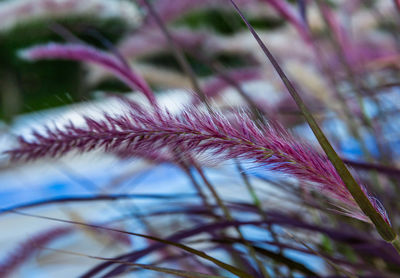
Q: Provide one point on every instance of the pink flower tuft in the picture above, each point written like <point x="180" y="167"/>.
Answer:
<point x="194" y="132"/>
<point x="29" y="247"/>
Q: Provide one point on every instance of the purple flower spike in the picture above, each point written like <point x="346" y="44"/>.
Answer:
<point x="192" y="132"/>
<point x="29" y="247"/>
<point x="85" y="53"/>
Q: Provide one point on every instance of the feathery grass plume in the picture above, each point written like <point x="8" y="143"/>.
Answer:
<point x="194" y="131"/>
<point x="86" y="53"/>
<point x="29" y="248"/>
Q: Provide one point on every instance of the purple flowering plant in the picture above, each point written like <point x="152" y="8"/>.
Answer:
<point x="341" y="212"/>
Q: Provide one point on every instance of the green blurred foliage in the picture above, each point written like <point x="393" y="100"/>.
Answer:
<point x="27" y="87"/>
<point x="167" y="60"/>
<point x="47" y="84"/>
<point x="225" y="22"/>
